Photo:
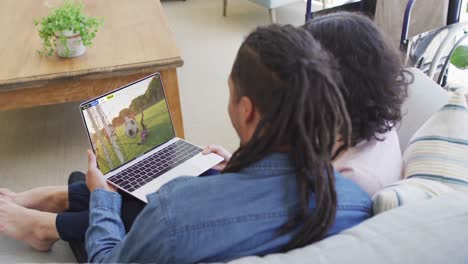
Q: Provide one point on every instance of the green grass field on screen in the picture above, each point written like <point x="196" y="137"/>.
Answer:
<point x="158" y="123"/>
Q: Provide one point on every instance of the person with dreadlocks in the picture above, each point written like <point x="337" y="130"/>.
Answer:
<point x="374" y="88"/>
<point x="276" y="193"/>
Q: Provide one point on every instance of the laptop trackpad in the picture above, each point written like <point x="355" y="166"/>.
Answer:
<point x="192" y="167"/>
<point x="204" y="162"/>
<point x="184" y="169"/>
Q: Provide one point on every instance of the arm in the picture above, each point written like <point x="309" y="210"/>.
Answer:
<point x="149" y="240"/>
<point x="106" y="229"/>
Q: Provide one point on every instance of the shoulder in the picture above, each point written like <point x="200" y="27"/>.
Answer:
<point x="226" y="200"/>
<point x="209" y="186"/>
<point x="354" y="205"/>
<point x="218" y="217"/>
<point x="190" y="200"/>
<point x="351" y="195"/>
<point x="388" y="147"/>
<point x="372" y="164"/>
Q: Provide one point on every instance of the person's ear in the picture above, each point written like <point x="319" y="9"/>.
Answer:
<point x="247" y="109"/>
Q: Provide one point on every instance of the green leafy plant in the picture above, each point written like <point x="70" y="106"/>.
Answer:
<point x="460" y="57"/>
<point x="67" y="17"/>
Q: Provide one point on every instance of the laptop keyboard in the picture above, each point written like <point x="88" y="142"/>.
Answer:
<point x="155" y="165"/>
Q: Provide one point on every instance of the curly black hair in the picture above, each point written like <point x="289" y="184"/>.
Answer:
<point x="374" y="81"/>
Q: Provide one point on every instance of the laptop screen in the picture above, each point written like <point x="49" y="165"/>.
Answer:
<point x="128" y="122"/>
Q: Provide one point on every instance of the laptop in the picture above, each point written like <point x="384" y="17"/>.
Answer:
<point x="132" y="135"/>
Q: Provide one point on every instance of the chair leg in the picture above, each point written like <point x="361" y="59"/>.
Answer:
<point x="272" y="15"/>
<point x="225" y="7"/>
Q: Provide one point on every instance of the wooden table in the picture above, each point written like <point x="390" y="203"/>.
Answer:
<point x="134" y="41"/>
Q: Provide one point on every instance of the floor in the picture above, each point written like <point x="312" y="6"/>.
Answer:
<point x="42" y="145"/>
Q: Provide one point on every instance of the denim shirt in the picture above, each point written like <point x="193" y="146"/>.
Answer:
<point x="213" y="219"/>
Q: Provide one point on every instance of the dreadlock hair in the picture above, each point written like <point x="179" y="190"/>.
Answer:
<point x="292" y="83"/>
<point x="375" y="83"/>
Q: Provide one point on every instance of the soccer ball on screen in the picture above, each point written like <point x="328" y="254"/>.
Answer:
<point x="131" y="127"/>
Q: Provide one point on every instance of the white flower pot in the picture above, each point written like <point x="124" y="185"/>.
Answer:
<point x="74" y="43"/>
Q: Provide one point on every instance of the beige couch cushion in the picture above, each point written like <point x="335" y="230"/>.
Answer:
<point x="425" y="97"/>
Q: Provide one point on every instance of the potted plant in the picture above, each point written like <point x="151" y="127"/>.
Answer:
<point x="67" y="29"/>
<point x="459" y="54"/>
<point x="460" y="57"/>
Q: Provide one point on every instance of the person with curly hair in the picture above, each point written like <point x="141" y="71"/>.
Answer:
<point x="374" y="87"/>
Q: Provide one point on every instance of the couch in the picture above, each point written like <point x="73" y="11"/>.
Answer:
<point x="429" y="231"/>
<point x="432" y="231"/>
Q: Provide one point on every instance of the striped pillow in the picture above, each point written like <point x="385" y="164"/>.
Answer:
<point x="436" y="159"/>
<point x="439" y="149"/>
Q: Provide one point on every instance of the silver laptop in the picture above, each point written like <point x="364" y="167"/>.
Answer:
<point x="132" y="135"/>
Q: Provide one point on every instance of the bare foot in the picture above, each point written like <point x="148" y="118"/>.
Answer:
<point x="52" y="199"/>
<point x="7" y="194"/>
<point x="33" y="227"/>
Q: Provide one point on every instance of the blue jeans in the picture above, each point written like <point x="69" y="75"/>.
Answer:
<point x="72" y="224"/>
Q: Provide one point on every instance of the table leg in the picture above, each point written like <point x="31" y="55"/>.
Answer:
<point x="171" y="87"/>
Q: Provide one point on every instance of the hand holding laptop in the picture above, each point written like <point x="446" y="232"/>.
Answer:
<point x="94" y="177"/>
